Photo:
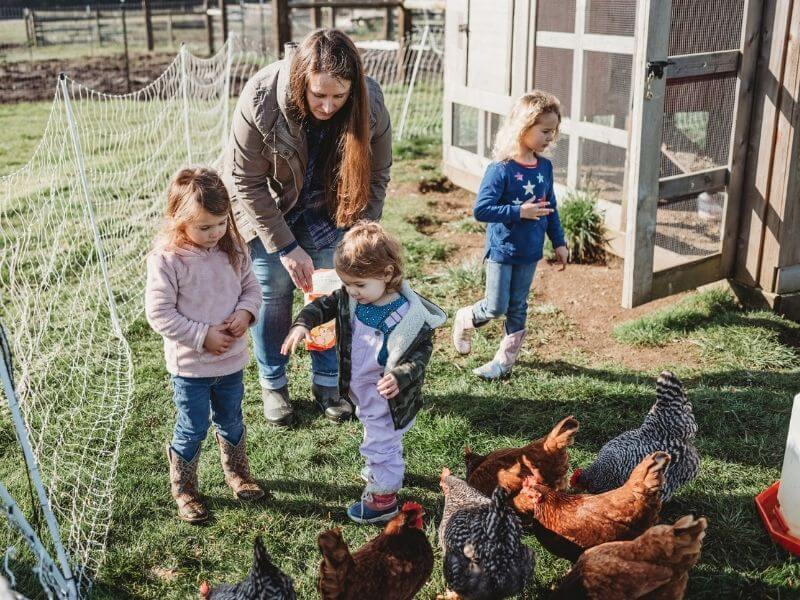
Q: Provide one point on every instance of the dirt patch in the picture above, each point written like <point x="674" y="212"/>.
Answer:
<point x="30" y="81"/>
<point x="577" y="309"/>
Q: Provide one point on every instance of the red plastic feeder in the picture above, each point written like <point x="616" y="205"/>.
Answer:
<point x="770" y="511"/>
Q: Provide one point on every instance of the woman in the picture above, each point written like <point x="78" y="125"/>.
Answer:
<point x="309" y="155"/>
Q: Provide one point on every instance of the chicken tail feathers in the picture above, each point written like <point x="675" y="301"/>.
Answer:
<point x="562" y="435"/>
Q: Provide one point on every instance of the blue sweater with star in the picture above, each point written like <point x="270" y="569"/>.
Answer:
<point x="505" y="187"/>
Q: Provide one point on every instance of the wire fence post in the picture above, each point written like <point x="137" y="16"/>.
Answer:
<point x="125" y="45"/>
<point x="226" y="91"/>
<point x="87" y="194"/>
<point x="414" y="73"/>
<point x="64" y="578"/>
<point x="185" y="92"/>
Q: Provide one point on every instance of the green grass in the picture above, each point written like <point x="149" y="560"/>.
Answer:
<point x="741" y="390"/>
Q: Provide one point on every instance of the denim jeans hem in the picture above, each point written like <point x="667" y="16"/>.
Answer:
<point x="325" y="380"/>
<point x="273" y="384"/>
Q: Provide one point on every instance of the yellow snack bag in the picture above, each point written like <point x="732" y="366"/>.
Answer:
<point x="323" y="282"/>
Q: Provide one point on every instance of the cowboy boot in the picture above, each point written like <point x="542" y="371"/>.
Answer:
<point x="237" y="468"/>
<point x="505" y="357"/>
<point x="183" y="485"/>
<point x="463" y="326"/>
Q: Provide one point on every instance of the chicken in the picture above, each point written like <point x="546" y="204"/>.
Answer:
<point x="669" y="426"/>
<point x="547" y="454"/>
<point x="481" y="540"/>
<point x="393" y="566"/>
<point x="265" y="581"/>
<point x="655" y="565"/>
<point x="585" y="520"/>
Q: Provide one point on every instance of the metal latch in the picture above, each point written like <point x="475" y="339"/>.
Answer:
<point x="655" y="70"/>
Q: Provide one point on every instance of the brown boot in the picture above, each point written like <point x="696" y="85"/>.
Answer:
<point x="237" y="468"/>
<point x="183" y="485"/>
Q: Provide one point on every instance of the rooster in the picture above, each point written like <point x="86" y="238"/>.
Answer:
<point x="655" y="565"/>
<point x="265" y="581"/>
<point x="582" y="521"/>
<point x="669" y="426"/>
<point x="547" y="454"/>
<point x="481" y="539"/>
<point x="393" y="566"/>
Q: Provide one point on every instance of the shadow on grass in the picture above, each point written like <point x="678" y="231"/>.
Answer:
<point x="738" y="412"/>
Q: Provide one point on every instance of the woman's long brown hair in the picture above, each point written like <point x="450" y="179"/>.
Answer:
<point x="348" y="160"/>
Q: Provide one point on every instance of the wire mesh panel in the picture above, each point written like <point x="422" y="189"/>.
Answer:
<point x="611" y="17"/>
<point x="606" y="88"/>
<point x="602" y="169"/>
<point x="553" y="73"/>
<point x="559" y="156"/>
<point x="708" y="26"/>
<point x="698" y="117"/>
<point x="691" y="227"/>
<point x="556" y="16"/>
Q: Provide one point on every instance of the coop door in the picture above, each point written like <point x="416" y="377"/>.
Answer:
<point x="694" y="64"/>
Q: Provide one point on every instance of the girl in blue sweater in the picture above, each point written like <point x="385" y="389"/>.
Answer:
<point x="516" y="199"/>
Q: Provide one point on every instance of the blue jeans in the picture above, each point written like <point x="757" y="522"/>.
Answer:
<point x="194" y="398"/>
<point x="275" y="318"/>
<point x="507" y="288"/>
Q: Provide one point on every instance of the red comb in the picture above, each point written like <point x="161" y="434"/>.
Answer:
<point x="573" y="481"/>
<point x="412" y="507"/>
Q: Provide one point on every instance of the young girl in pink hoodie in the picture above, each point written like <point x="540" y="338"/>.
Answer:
<point x="201" y="297"/>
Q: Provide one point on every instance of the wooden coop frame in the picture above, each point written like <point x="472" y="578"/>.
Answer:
<point x="740" y="80"/>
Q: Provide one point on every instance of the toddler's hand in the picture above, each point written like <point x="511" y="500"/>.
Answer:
<point x="562" y="254"/>
<point x="533" y="209"/>
<point x="297" y="334"/>
<point x="387" y="386"/>
<point x="238" y="322"/>
<point x="217" y="340"/>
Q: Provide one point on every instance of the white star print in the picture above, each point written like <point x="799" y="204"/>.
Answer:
<point x="528" y="188"/>
<point x="540" y="178"/>
<point x="517" y="201"/>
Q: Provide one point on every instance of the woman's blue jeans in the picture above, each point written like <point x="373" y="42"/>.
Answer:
<point x="195" y="398"/>
<point x="507" y="288"/>
<point x="275" y="317"/>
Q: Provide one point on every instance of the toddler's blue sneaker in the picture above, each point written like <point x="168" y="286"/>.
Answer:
<point x="370" y="510"/>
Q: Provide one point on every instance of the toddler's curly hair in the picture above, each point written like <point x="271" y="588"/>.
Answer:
<point x="368" y="251"/>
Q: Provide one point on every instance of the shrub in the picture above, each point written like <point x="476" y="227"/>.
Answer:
<point x="583" y="228"/>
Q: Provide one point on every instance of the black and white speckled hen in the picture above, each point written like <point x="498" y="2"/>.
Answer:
<point x="481" y="539"/>
<point x="265" y="581"/>
<point x="670" y="426"/>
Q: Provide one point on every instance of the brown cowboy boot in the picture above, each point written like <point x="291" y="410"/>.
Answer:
<point x="237" y="468"/>
<point x="183" y="485"/>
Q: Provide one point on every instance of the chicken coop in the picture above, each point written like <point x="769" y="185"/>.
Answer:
<point x="681" y="117"/>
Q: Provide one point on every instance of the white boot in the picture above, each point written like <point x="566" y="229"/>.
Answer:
<point x="505" y="357"/>
<point x="462" y="330"/>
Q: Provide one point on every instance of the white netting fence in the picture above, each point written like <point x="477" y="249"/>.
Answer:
<point x="75" y="225"/>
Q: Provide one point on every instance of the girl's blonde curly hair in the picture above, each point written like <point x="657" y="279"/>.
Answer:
<point x="367" y="251"/>
<point x="527" y="111"/>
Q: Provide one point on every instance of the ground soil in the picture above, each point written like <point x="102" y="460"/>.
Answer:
<point x="29" y="81"/>
<point x="587" y="295"/>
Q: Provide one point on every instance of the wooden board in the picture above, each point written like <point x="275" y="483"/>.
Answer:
<point x="490" y="42"/>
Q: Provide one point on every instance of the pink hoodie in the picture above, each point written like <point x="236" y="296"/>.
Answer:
<point x="189" y="289"/>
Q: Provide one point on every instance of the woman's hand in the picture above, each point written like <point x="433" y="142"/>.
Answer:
<point x="387" y="386"/>
<point x="297" y="334"/>
<point x="562" y="254"/>
<point x="533" y="210"/>
<point x="300" y="268"/>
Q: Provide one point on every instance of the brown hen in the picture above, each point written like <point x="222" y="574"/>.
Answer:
<point x="547" y="454"/>
<point x="393" y="566"/>
<point x="567" y="524"/>
<point x="654" y="566"/>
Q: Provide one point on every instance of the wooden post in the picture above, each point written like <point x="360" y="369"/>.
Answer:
<point x="281" y="25"/>
<point x="261" y="27"/>
<point x="316" y="17"/>
<point x="97" y="26"/>
<point x="223" y="17"/>
<point x="125" y="46"/>
<point x="403" y="38"/>
<point x="30" y="27"/>
<point x="333" y="17"/>
<point x="148" y="24"/>
<point x="169" y="29"/>
<point x="209" y="28"/>
<point x="647" y="96"/>
<point x="388" y="23"/>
